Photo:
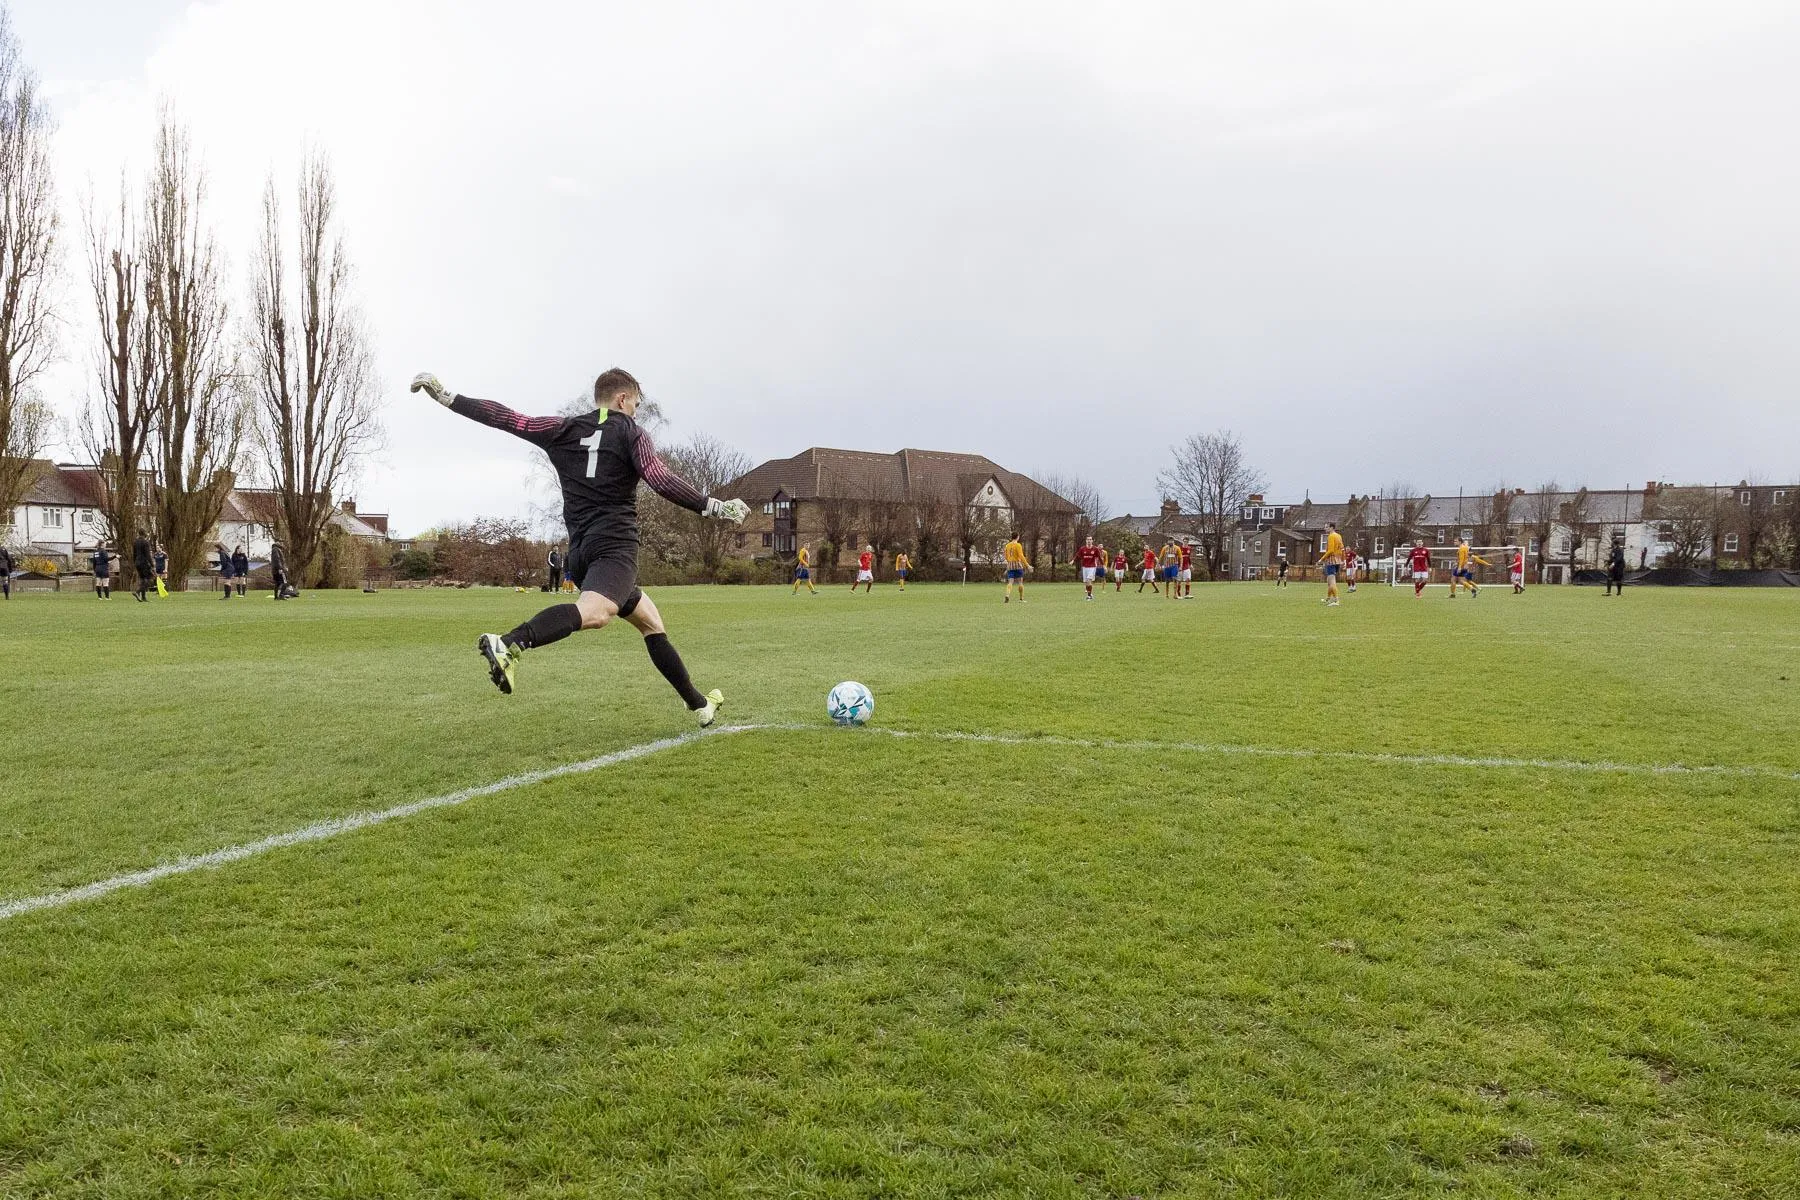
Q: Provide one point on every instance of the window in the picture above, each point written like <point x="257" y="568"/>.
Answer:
<point x="1780" y="496"/>
<point x="1531" y="547"/>
<point x="1468" y="535"/>
<point x="769" y="509"/>
<point x="738" y="540"/>
<point x="1241" y="543"/>
<point x="786" y="545"/>
<point x="782" y="507"/>
<point x="1280" y="549"/>
<point x="53" y="517"/>
<point x="87" y="516"/>
<point x="1257" y="546"/>
<point x="1380" y="547"/>
<point x="1440" y="537"/>
<point x="1249" y="514"/>
<point x="1324" y="540"/>
<point x="1731" y="543"/>
<point x="1268" y="514"/>
<point x="768" y="540"/>
<point x="1744" y="498"/>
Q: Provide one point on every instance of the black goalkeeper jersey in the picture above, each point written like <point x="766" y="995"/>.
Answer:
<point x="599" y="458"/>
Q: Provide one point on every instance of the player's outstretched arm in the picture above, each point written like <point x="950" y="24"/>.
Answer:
<point x="676" y="490"/>
<point x="536" y="430"/>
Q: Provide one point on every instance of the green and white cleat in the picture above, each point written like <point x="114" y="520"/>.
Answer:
<point x="715" y="700"/>
<point x="501" y="660"/>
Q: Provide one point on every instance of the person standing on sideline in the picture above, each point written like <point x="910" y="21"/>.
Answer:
<point x="278" y="568"/>
<point x="160" y="559"/>
<point x="224" y="560"/>
<point x="240" y="567"/>
<point x="553" y="579"/>
<point x="101" y="562"/>
<point x="1420" y="557"/>
<point x="1615" y="571"/>
<point x="6" y="570"/>
<point x="865" y="570"/>
<point x="143" y="566"/>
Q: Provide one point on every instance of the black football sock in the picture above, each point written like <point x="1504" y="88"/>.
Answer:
<point x="552" y="625"/>
<point x="663" y="654"/>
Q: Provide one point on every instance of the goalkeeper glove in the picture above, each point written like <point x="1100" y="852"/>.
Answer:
<point x="428" y="383"/>
<point x="726" y="510"/>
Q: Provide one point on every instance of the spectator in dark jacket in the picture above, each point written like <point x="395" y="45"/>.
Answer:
<point x="6" y="570"/>
<point x="554" y="580"/>
<point x="240" y="567"/>
<point x="278" y="568"/>
<point x="224" y="560"/>
<point x="1615" y="571"/>
<point x="101" y="562"/>
<point x="144" y="566"/>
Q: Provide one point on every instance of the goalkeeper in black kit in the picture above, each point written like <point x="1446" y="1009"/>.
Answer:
<point x="599" y="458"/>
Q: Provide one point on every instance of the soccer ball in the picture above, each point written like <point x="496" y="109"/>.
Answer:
<point x="850" y="703"/>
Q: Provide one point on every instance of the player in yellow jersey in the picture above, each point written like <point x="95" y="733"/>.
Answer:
<point x="1170" y="558"/>
<point x="1016" y="566"/>
<point x="902" y="565"/>
<point x="1333" y="562"/>
<point x="803" y="573"/>
<point x="1464" y="574"/>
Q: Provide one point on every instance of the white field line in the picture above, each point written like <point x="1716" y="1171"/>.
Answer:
<point x="321" y="830"/>
<point x="1360" y="756"/>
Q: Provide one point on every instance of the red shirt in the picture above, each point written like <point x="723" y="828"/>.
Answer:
<point x="865" y="561"/>
<point x="1421" y="558"/>
<point x="1149" y="559"/>
<point x="1519" y="562"/>
<point x="1187" y="556"/>
<point x="1119" y="561"/>
<point x="1088" y="556"/>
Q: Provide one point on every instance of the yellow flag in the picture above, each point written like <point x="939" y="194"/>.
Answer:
<point x="160" y="589"/>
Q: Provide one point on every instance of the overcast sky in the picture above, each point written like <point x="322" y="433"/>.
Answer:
<point x="1445" y="244"/>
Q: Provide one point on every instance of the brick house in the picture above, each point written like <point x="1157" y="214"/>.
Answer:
<point x="937" y="505"/>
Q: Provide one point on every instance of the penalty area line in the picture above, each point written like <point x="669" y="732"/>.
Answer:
<point x="322" y="830"/>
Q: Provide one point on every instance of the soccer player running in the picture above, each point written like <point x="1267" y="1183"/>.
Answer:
<point x="1518" y="571"/>
<point x="803" y="573"/>
<point x="1421" y="567"/>
<point x="865" y="571"/>
<point x="1089" y="557"/>
<point x="599" y="458"/>
<point x="1333" y="562"/>
<point x="1120" y="565"/>
<point x="1149" y="571"/>
<point x="1464" y="574"/>
<point x="902" y="565"/>
<point x="1016" y="566"/>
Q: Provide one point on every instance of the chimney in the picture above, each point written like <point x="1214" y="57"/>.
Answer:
<point x="1652" y="487"/>
<point x="1254" y="498"/>
<point x="1170" y="509"/>
<point x="349" y="506"/>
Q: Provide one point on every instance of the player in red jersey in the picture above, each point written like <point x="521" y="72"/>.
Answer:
<point x="1089" y="557"/>
<point x="1120" y="564"/>
<point x="1421" y="567"/>
<point x="1350" y="565"/>
<point x="1185" y="557"/>
<point x="1518" y="571"/>
<point x="865" y="571"/>
<point x="1149" y="572"/>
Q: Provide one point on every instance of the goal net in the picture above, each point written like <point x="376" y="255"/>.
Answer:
<point x="1497" y="569"/>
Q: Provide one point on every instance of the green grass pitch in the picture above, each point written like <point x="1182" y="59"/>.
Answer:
<point x="818" y="962"/>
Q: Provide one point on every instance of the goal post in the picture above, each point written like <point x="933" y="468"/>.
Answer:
<point x="1496" y="570"/>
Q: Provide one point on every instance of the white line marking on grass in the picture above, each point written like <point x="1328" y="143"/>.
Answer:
<point x="1364" y="756"/>
<point x="321" y="830"/>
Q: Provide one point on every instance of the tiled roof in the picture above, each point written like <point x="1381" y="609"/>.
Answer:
<point x="822" y="472"/>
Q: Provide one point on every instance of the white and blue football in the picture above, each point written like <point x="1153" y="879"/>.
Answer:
<point x="850" y="703"/>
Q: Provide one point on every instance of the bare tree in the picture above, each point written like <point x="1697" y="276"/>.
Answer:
<point x="1210" y="478"/>
<point x="1541" y="511"/>
<point x="932" y="513"/>
<point x="709" y="464"/>
<point x="1684" y="519"/>
<point x="116" y="426"/>
<point x="198" y="423"/>
<point x="1496" y="518"/>
<point x="310" y="360"/>
<point x="1577" y="516"/>
<point x="1756" y="522"/>
<point x="29" y="226"/>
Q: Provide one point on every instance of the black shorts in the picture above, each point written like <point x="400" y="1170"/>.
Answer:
<point x="608" y="565"/>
